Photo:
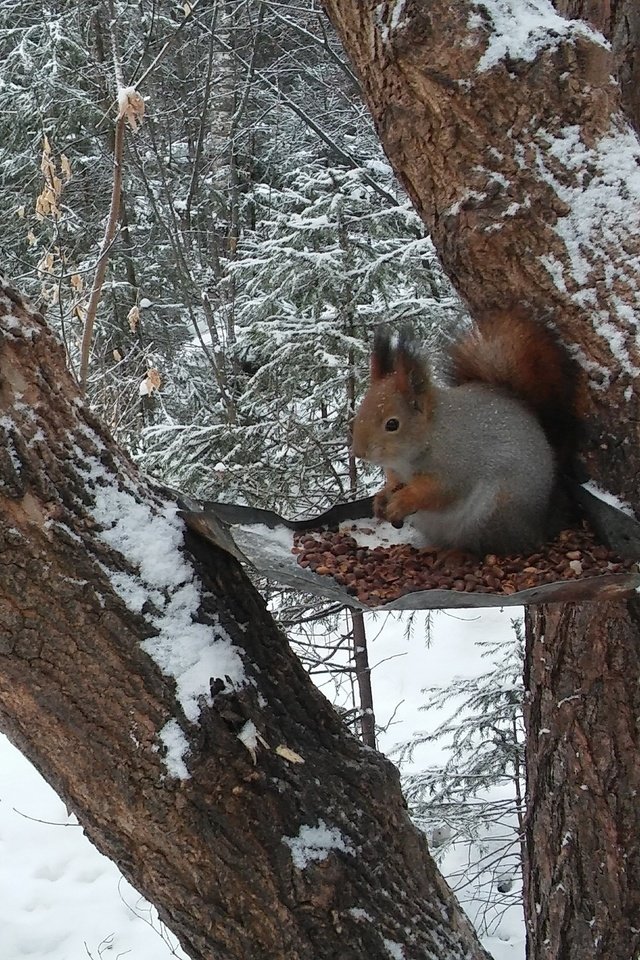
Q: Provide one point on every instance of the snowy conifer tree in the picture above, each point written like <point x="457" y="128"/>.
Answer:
<point x="472" y="808"/>
<point x="261" y="237"/>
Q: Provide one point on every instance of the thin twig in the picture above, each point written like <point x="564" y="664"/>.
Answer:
<point x="103" y="259"/>
<point x="49" y="823"/>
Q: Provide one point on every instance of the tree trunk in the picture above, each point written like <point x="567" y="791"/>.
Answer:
<point x="144" y="677"/>
<point x="583" y="870"/>
<point x="510" y="139"/>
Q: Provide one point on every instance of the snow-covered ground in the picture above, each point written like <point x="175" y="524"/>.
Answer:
<point x="62" y="900"/>
<point x="59" y="898"/>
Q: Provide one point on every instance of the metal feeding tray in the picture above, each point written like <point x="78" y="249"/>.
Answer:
<point x="264" y="540"/>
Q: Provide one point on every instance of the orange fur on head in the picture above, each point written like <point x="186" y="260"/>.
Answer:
<point x="400" y="359"/>
<point x="401" y="390"/>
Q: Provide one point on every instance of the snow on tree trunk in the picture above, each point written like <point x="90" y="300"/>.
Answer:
<point x="142" y="675"/>
<point x="502" y="122"/>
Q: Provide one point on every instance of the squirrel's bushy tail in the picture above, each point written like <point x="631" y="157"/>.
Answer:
<point x="508" y="349"/>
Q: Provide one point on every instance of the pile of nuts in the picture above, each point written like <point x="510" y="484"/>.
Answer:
<point x="377" y="575"/>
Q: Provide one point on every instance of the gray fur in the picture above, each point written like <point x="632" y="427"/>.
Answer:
<point x="493" y="455"/>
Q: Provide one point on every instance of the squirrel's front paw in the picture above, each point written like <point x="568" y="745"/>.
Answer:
<point x="380" y="504"/>
<point x="383" y="498"/>
<point x="396" y="509"/>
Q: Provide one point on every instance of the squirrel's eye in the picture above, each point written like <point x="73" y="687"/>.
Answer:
<point x="392" y="424"/>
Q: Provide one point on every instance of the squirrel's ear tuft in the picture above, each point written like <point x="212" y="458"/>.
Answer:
<point x="382" y="354"/>
<point x="412" y="373"/>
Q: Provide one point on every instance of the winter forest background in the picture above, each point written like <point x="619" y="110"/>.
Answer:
<point x="261" y="238"/>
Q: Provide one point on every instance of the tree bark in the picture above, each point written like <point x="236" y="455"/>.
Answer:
<point x="619" y="22"/>
<point x="510" y="139"/>
<point x="222" y="783"/>
<point x="583" y="870"/>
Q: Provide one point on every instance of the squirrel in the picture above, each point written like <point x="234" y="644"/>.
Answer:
<point x="476" y="463"/>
